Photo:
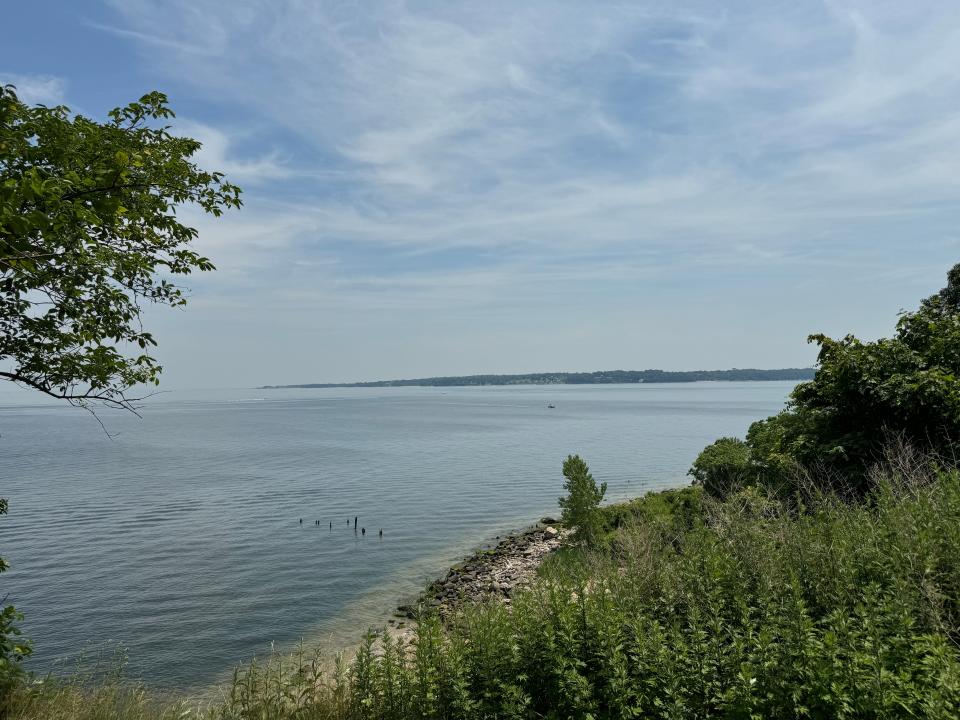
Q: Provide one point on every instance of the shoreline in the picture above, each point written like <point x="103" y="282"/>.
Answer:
<point x="489" y="572"/>
<point x="510" y="560"/>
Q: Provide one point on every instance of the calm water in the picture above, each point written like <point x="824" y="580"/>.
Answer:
<point x="180" y="540"/>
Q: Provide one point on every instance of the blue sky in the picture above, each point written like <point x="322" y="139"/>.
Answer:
<point x="447" y="188"/>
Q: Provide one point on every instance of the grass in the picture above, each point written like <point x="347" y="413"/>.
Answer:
<point x="750" y="608"/>
<point x="69" y="701"/>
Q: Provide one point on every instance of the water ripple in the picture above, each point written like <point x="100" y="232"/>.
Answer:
<point x="180" y="539"/>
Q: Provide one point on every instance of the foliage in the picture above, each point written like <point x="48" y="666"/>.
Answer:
<point x="581" y="504"/>
<point x="678" y="510"/>
<point x="863" y="393"/>
<point x="13" y="649"/>
<point x="89" y="231"/>
<point x="114" y="699"/>
<point x="723" y="466"/>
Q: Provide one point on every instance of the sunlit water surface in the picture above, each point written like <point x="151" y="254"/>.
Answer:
<point x="179" y="539"/>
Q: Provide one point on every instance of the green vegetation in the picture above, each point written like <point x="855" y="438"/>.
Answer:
<point x="581" y="504"/>
<point x="13" y="649"/>
<point x="89" y="233"/>
<point x="600" y="377"/>
<point x="864" y="395"/>
<point x="109" y="698"/>
<point x="723" y="466"/>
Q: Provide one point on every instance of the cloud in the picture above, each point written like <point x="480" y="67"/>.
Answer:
<point x="36" y="89"/>
<point x="218" y="153"/>
<point x="473" y="155"/>
<point x="544" y="120"/>
<point x="206" y="47"/>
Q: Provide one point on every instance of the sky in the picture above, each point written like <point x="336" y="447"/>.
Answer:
<point x="438" y="188"/>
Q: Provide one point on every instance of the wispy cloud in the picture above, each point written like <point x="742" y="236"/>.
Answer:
<point x="217" y="152"/>
<point x="477" y="154"/>
<point x="147" y="38"/>
<point x="522" y="110"/>
<point x="36" y="89"/>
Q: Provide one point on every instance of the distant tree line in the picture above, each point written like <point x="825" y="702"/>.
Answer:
<point x="600" y="377"/>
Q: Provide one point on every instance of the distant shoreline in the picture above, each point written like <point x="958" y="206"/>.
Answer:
<point x="600" y="377"/>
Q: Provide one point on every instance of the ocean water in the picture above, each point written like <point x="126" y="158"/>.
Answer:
<point x="179" y="539"/>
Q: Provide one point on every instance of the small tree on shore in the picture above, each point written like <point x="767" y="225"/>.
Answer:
<point x="581" y="505"/>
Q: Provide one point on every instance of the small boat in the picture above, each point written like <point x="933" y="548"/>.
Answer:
<point x="551" y="406"/>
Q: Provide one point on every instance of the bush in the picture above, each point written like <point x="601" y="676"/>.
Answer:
<point x="677" y="509"/>
<point x="13" y="648"/>
<point x="863" y="393"/>
<point x="723" y="467"/>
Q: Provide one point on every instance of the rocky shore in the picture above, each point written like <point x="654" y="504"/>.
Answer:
<point x="496" y="572"/>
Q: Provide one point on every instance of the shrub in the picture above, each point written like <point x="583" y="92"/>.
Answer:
<point x="863" y="393"/>
<point x="723" y="467"/>
<point x="13" y="648"/>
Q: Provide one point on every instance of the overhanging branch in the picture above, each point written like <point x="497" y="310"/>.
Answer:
<point x="109" y="398"/>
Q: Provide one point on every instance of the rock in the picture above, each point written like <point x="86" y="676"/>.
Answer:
<point x="407" y="611"/>
<point x="495" y="571"/>
<point x="548" y="520"/>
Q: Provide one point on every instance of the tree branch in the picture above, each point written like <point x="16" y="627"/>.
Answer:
<point x="81" y="399"/>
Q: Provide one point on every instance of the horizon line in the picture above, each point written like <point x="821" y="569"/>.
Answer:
<point x="555" y="378"/>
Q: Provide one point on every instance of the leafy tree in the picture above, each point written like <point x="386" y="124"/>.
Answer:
<point x="89" y="232"/>
<point x="907" y="386"/>
<point x="581" y="504"/>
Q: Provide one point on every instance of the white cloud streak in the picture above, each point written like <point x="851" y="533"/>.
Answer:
<point x="546" y="139"/>
<point x="526" y="112"/>
<point x="217" y="153"/>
